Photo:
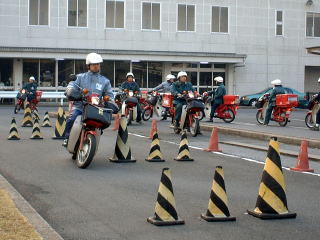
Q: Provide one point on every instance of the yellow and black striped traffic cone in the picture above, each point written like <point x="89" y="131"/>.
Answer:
<point x="218" y="203"/>
<point x="13" y="135"/>
<point x="165" y="210"/>
<point x="122" y="152"/>
<point x="27" y="118"/>
<point x="60" y="127"/>
<point x="184" y="154"/>
<point x="36" y="134"/>
<point x="35" y="114"/>
<point x="272" y="200"/>
<point x="46" y="120"/>
<point x="155" y="154"/>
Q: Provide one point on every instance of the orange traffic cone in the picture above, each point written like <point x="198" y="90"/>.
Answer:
<point x="153" y="128"/>
<point x="214" y="142"/>
<point x="303" y="159"/>
<point x="116" y="123"/>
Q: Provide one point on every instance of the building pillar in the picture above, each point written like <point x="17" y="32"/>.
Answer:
<point x="17" y="73"/>
<point x="166" y="70"/>
<point x="230" y="79"/>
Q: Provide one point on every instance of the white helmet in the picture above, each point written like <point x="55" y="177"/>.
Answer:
<point x="32" y="78"/>
<point x="319" y="80"/>
<point x="218" y="79"/>
<point x="93" y="58"/>
<point x="180" y="74"/>
<point x="129" y="74"/>
<point x="276" y="82"/>
<point x="170" y="76"/>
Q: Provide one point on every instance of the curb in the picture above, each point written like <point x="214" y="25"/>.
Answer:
<point x="38" y="223"/>
<point x="313" y="143"/>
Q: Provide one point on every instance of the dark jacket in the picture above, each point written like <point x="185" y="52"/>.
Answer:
<point x="180" y="87"/>
<point x="31" y="88"/>
<point x="219" y="93"/>
<point x="277" y="90"/>
<point x="133" y="86"/>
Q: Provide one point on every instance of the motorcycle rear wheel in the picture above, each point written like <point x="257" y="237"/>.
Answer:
<point x="308" y="120"/>
<point x="85" y="156"/>
<point x="146" y="114"/>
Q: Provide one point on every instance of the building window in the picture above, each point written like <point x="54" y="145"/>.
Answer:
<point x="65" y="68"/>
<point x="313" y="24"/>
<point x="121" y="69"/>
<point x="279" y="23"/>
<point x="186" y="17"/>
<point x="47" y="73"/>
<point x="30" y="68"/>
<point x="151" y="16"/>
<point x="220" y="20"/>
<point x="140" y="71"/>
<point x="154" y="74"/>
<point x="6" y="71"/>
<point x="38" y="12"/>
<point x="77" y="13"/>
<point x="114" y="14"/>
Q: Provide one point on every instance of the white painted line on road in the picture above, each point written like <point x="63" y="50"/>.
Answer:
<point x="295" y="119"/>
<point x="227" y="155"/>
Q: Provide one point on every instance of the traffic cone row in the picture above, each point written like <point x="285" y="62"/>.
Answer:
<point x="27" y="118"/>
<point x="13" y="134"/>
<point x="271" y="202"/>
<point x="46" y="120"/>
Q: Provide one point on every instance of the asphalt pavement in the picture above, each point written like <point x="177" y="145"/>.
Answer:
<point x="113" y="201"/>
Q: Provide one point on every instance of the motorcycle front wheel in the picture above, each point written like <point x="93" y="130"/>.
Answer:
<point x="16" y="108"/>
<point x="195" y="127"/>
<point x="147" y="114"/>
<point x="285" y="122"/>
<point x="229" y="116"/>
<point x="259" y="117"/>
<point x="85" y="156"/>
<point x="130" y="117"/>
<point x="308" y="120"/>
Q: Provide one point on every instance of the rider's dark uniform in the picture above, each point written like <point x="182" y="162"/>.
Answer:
<point x="133" y="86"/>
<point x="179" y="88"/>
<point x="278" y="89"/>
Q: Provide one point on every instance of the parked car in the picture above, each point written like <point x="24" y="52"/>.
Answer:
<point x="251" y="99"/>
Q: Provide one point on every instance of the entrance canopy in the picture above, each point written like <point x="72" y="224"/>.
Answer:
<point x="314" y="50"/>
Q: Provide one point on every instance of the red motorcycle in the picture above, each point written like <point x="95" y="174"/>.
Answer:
<point x="281" y="112"/>
<point x="190" y="114"/>
<point x="22" y="96"/>
<point x="152" y="105"/>
<point x="86" y="131"/>
<point x="226" y="111"/>
<point x="167" y="103"/>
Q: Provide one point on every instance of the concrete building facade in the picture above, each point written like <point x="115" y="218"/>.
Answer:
<point x="249" y="42"/>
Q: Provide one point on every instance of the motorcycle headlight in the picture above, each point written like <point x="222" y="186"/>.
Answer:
<point x="191" y="95"/>
<point x="95" y="100"/>
<point x="131" y="94"/>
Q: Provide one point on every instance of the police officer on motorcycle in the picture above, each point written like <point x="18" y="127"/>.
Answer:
<point x="31" y="88"/>
<point x="316" y="126"/>
<point x="178" y="89"/>
<point x="277" y="89"/>
<point x="217" y="97"/>
<point x="91" y="80"/>
<point x="131" y="85"/>
<point x="167" y="85"/>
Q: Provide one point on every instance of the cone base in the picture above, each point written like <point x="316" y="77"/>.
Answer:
<point x="302" y="170"/>
<point x="266" y="216"/>
<point x="155" y="160"/>
<point x="13" y="138"/>
<point x="26" y="125"/>
<point x="153" y="221"/>
<point x="36" y="138"/>
<point x="122" y="160"/>
<point x="46" y="126"/>
<point x="183" y="159"/>
<point x="212" y="150"/>
<point x="217" y="219"/>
